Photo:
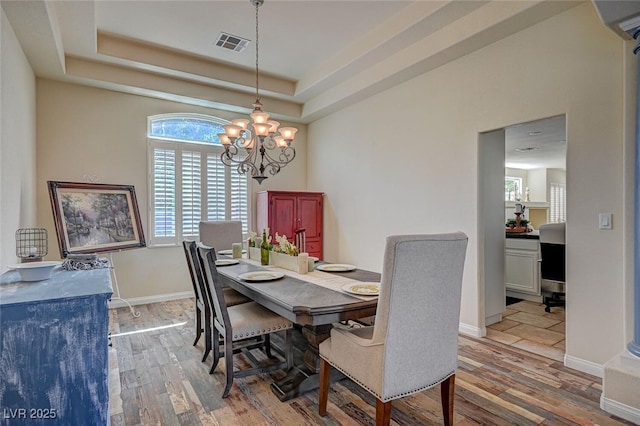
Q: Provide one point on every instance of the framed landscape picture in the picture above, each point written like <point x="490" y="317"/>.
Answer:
<point x="94" y="217"/>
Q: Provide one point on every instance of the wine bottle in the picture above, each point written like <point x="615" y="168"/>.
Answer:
<point x="264" y="249"/>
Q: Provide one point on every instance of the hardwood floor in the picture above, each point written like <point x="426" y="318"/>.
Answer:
<point x="156" y="377"/>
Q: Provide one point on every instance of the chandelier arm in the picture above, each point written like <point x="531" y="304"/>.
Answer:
<point x="285" y="156"/>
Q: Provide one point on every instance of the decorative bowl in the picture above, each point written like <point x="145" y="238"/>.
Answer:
<point x="35" y="271"/>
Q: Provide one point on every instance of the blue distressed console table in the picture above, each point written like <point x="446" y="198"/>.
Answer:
<point x="54" y="349"/>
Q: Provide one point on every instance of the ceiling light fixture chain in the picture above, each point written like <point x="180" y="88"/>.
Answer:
<point x="257" y="4"/>
<point x="257" y="137"/>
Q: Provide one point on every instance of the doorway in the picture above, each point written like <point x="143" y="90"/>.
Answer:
<point x="532" y="154"/>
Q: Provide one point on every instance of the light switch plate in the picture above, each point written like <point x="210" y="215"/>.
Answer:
<point x="604" y="220"/>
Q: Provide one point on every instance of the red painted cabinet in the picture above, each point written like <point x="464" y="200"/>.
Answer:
<point x="286" y="211"/>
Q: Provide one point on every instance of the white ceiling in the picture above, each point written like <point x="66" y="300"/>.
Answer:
<point x="315" y="56"/>
<point x="537" y="144"/>
<point x="308" y="49"/>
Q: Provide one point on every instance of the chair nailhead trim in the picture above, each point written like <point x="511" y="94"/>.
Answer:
<point x="264" y="331"/>
<point x="400" y="395"/>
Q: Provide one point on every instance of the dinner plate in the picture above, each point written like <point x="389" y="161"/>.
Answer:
<point x="229" y="252"/>
<point x="315" y="259"/>
<point x="335" y="267"/>
<point x="226" y="262"/>
<point x="261" y="276"/>
<point x="362" y="288"/>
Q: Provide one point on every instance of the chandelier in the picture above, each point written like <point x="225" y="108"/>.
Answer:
<point x="253" y="145"/>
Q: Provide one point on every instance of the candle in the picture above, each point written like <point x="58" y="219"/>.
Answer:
<point x="236" y="249"/>
<point x="32" y="252"/>
<point x="303" y="263"/>
<point x="518" y="208"/>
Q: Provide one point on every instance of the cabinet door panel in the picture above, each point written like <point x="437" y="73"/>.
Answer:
<point x="522" y="271"/>
<point x="282" y="217"/>
<point x="308" y="216"/>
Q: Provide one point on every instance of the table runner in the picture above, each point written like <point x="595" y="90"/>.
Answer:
<point x="328" y="280"/>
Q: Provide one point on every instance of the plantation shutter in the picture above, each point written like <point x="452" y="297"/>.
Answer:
<point x="164" y="193"/>
<point x="557" y="202"/>
<point x="239" y="198"/>
<point x="191" y="192"/>
<point x="187" y="180"/>
<point x="216" y="192"/>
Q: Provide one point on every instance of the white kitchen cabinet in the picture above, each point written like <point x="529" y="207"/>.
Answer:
<point x="522" y="268"/>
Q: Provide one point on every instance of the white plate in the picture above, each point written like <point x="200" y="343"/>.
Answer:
<point x="261" y="276"/>
<point x="335" y="267"/>
<point x="226" y="262"/>
<point x="362" y="288"/>
<point x="229" y="252"/>
<point x="315" y="259"/>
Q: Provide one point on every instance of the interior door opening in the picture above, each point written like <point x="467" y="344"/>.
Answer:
<point x="531" y="159"/>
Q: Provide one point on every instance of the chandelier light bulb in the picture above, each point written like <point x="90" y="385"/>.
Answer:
<point x="259" y="117"/>
<point x="224" y="139"/>
<point x="232" y="131"/>
<point x="288" y="133"/>
<point x="280" y="142"/>
<point x="261" y="129"/>
<point x="274" y="126"/>
<point x="242" y="122"/>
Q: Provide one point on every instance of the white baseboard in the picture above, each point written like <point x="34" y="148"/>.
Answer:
<point x="616" y="408"/>
<point x="584" y="366"/>
<point x="471" y="330"/>
<point x="120" y="303"/>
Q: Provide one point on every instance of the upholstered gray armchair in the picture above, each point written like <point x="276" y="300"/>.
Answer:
<point x="413" y="344"/>
<point x="220" y="234"/>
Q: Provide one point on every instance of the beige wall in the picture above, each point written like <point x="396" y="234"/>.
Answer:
<point x="17" y="143"/>
<point x="406" y="161"/>
<point x="86" y="131"/>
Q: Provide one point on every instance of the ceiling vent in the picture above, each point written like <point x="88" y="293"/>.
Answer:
<point x="231" y="42"/>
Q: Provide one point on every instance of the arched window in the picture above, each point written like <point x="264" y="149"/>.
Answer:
<point x="187" y="181"/>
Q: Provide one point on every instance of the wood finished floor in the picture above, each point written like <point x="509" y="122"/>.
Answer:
<point x="156" y="378"/>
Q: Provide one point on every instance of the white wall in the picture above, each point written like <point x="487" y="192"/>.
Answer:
<point x="414" y="168"/>
<point x="491" y="258"/>
<point x="17" y="143"/>
<point x="87" y="131"/>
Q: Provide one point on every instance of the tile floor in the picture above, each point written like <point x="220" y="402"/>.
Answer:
<point x="527" y="326"/>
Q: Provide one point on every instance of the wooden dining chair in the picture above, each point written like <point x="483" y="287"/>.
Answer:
<point x="300" y="239"/>
<point x="413" y="344"/>
<point x="203" y="307"/>
<point x="239" y="325"/>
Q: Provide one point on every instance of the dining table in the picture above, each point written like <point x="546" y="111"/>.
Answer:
<point x="315" y="300"/>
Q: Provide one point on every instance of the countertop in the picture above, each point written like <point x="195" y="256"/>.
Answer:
<point x="533" y="235"/>
<point x="62" y="285"/>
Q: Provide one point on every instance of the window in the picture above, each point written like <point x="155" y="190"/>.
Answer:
<point x="557" y="202"/>
<point x="512" y="188"/>
<point x="187" y="180"/>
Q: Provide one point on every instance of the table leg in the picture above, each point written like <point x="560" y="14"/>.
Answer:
<point x="305" y="378"/>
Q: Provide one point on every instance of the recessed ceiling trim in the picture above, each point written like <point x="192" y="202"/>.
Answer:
<point x="139" y="80"/>
<point x="175" y="61"/>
